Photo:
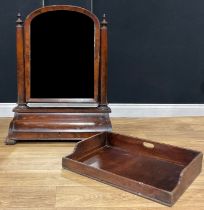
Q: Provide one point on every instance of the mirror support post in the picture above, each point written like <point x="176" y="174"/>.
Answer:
<point x="20" y="61"/>
<point x="103" y="64"/>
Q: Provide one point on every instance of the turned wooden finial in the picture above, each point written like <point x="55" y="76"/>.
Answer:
<point x="19" y="21"/>
<point x="104" y="21"/>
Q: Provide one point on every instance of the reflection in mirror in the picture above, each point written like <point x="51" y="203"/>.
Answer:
<point x="62" y="55"/>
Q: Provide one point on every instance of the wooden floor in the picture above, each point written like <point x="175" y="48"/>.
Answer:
<point x="31" y="176"/>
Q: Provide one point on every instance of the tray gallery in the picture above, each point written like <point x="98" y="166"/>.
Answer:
<point x="156" y="171"/>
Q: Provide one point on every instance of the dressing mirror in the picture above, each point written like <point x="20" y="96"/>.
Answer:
<point x="61" y="75"/>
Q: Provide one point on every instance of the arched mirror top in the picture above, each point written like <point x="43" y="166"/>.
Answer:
<point x="51" y="31"/>
<point x="76" y="9"/>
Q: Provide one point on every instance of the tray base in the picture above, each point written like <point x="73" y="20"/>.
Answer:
<point x="148" y="170"/>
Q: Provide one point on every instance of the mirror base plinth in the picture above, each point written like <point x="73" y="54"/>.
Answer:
<point x="51" y="125"/>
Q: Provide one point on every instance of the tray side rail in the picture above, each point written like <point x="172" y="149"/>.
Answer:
<point x="166" y="152"/>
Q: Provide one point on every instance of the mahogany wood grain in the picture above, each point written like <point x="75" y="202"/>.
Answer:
<point x="155" y="171"/>
<point x="60" y="110"/>
<point x="20" y="60"/>
<point x="27" y="35"/>
<point x="59" y="123"/>
<point x="103" y="63"/>
<point x="57" y="126"/>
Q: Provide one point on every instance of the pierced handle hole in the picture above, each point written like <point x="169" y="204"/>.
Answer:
<point x="148" y="145"/>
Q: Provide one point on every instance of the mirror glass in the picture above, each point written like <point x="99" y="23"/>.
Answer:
<point x="62" y="55"/>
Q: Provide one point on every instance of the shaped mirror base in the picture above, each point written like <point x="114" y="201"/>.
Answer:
<point x="34" y="124"/>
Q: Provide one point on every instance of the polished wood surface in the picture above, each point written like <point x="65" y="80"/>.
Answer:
<point x="57" y="123"/>
<point x="28" y="50"/>
<point x="142" y="167"/>
<point x="104" y="63"/>
<point x="20" y="60"/>
<point x="31" y="176"/>
<point x="57" y="126"/>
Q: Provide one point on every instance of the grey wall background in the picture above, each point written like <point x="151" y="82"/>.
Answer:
<point x="156" y="48"/>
